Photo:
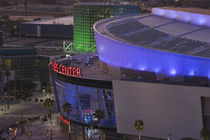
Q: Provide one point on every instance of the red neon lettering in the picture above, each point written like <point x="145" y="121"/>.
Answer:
<point x="79" y="72"/>
<point x="60" y="68"/>
<point x="55" y="67"/>
<point x="66" y="70"/>
<point x="63" y="69"/>
<point x="74" y="72"/>
<point x="64" y="120"/>
<point x="70" y="71"/>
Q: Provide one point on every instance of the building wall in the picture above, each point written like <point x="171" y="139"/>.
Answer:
<point x="46" y="30"/>
<point x="26" y="67"/>
<point x="85" y="100"/>
<point x="85" y="16"/>
<point x="163" y="108"/>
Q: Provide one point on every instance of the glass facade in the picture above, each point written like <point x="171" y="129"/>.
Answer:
<point x="28" y="67"/>
<point x="85" y="16"/>
<point x="85" y="100"/>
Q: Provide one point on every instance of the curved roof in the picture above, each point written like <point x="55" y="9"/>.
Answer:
<point x="191" y="10"/>
<point x="157" y="32"/>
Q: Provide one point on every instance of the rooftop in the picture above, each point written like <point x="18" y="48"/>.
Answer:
<point x="102" y="3"/>
<point x="90" y="67"/>
<point x="191" y="10"/>
<point x="17" y="51"/>
<point x="89" y="64"/>
<point x="68" y="20"/>
<point x="159" y="33"/>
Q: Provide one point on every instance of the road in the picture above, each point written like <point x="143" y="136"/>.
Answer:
<point x="29" y="110"/>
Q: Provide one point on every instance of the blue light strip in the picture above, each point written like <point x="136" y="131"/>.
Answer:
<point x="119" y="54"/>
<point x="194" y="18"/>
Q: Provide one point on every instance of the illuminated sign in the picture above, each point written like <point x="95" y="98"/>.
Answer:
<point x="70" y="71"/>
<point x="78" y="48"/>
<point x="64" y="120"/>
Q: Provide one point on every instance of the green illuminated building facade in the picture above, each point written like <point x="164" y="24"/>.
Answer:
<point x="86" y="14"/>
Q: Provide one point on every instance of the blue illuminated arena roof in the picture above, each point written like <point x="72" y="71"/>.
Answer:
<point x="160" y="32"/>
<point x="167" y="42"/>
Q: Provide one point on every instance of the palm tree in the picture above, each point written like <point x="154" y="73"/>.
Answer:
<point x="204" y="134"/>
<point x="48" y="89"/>
<point x="139" y="126"/>
<point x="7" y="74"/>
<point x="49" y="105"/>
<point x="99" y="115"/>
<point x="67" y="108"/>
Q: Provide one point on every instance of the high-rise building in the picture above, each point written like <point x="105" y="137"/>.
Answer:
<point x="86" y="14"/>
<point x="24" y="64"/>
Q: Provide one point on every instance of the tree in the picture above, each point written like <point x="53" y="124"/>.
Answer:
<point x="48" y="89"/>
<point x="99" y="115"/>
<point x="67" y="108"/>
<point x="14" y="30"/>
<point x="7" y="74"/>
<point x="139" y="126"/>
<point x="16" y="85"/>
<point x="204" y="134"/>
<point x="49" y="105"/>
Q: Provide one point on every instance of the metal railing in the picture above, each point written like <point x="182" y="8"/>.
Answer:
<point x="78" y="48"/>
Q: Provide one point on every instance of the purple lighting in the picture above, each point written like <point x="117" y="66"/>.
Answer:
<point x="123" y="54"/>
<point x="119" y="54"/>
<point x="173" y="72"/>
<point x="192" y="73"/>
<point x="142" y="68"/>
<point x="170" y="14"/>
<point x="194" y="18"/>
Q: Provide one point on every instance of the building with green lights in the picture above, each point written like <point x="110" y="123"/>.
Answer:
<point x="86" y="14"/>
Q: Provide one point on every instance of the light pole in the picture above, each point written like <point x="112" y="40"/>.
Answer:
<point x="50" y="128"/>
<point x="5" y="106"/>
<point x="8" y="98"/>
<point x="169" y="136"/>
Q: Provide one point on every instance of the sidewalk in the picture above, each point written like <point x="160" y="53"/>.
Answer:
<point x="29" y="110"/>
<point x="39" y="130"/>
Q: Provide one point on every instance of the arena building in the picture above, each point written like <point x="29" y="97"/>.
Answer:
<point x="178" y="40"/>
<point x="152" y="67"/>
